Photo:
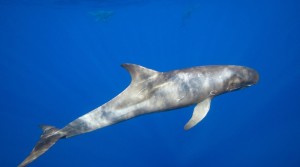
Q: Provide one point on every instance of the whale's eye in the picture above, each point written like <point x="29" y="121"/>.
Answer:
<point x="233" y="85"/>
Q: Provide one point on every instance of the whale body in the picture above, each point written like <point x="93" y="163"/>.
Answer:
<point x="151" y="91"/>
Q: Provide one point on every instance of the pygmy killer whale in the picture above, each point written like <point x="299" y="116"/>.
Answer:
<point x="151" y="91"/>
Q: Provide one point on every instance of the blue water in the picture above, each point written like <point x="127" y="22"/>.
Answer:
<point x="58" y="61"/>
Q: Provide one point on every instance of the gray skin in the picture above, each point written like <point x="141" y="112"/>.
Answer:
<point x="151" y="91"/>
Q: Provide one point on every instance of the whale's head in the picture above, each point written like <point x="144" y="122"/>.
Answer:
<point x="239" y="77"/>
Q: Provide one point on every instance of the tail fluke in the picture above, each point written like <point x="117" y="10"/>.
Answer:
<point x="48" y="138"/>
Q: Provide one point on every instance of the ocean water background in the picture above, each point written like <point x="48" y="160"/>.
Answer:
<point x="58" y="61"/>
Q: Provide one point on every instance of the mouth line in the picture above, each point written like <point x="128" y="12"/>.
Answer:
<point x="241" y="87"/>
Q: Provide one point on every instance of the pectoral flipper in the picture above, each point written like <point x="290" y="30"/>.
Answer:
<point x="199" y="113"/>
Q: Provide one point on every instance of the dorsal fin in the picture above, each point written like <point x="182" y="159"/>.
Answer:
<point x="139" y="73"/>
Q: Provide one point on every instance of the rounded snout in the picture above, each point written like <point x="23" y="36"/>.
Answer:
<point x="242" y="77"/>
<point x="251" y="76"/>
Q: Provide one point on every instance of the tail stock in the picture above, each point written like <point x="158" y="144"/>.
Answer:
<point x="48" y="138"/>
